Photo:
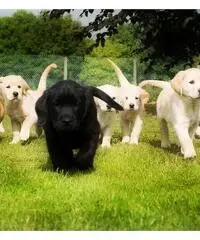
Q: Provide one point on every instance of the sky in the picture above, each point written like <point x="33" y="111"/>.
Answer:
<point x="75" y="14"/>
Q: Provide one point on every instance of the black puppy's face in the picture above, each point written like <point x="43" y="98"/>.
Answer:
<point x="67" y="108"/>
<point x="65" y="105"/>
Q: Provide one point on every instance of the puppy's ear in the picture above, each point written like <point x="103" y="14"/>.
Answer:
<point x="25" y="86"/>
<point x="42" y="109"/>
<point x="144" y="96"/>
<point x="106" y="98"/>
<point x="177" y="82"/>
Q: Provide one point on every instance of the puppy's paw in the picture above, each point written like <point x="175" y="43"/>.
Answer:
<point x="105" y="145"/>
<point x="24" y="136"/>
<point x="15" y="141"/>
<point x="2" y="130"/>
<point x="134" y="141"/>
<point x="182" y="151"/>
<point x="190" y="154"/>
<point x="126" y="139"/>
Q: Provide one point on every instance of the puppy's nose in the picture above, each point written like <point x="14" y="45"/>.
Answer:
<point x="108" y="107"/>
<point x="131" y="105"/>
<point x="15" y="94"/>
<point x="66" y="121"/>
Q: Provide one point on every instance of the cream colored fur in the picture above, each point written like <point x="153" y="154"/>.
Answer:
<point x="105" y="114"/>
<point x="179" y="104"/>
<point x="133" y="99"/>
<point x="20" y="101"/>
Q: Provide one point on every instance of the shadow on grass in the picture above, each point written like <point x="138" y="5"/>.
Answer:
<point x="172" y="149"/>
<point x="175" y="149"/>
<point x="2" y="138"/>
<point x="31" y="139"/>
<point x="48" y="167"/>
<point x="150" y="108"/>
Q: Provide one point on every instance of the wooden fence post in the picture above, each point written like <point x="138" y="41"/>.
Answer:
<point x="134" y="71"/>
<point x="65" y="68"/>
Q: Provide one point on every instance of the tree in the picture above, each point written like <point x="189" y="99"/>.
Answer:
<point x="166" y="34"/>
<point x="25" y="33"/>
<point x="97" y="70"/>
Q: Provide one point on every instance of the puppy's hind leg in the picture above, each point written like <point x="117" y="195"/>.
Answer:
<point x="137" y="127"/>
<point x="125" y="130"/>
<point x="15" y="130"/>
<point x="165" y="142"/>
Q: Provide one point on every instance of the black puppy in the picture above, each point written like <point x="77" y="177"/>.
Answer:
<point x="68" y="115"/>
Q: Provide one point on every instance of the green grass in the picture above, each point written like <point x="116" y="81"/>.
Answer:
<point x="132" y="187"/>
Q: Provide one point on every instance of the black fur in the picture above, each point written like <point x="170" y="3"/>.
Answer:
<point x="68" y="115"/>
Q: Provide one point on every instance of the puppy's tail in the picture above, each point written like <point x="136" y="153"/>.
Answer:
<point x="42" y="83"/>
<point x="106" y="98"/>
<point x="122" y="79"/>
<point x="156" y="83"/>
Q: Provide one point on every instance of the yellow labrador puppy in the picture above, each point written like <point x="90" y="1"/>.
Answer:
<point x="20" y="101"/>
<point x="105" y="114"/>
<point x="163" y="84"/>
<point x="179" y="104"/>
<point x="133" y="99"/>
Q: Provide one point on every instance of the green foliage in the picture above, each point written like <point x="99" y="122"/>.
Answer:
<point x="98" y="71"/>
<point x="25" y="33"/>
<point x="122" y="48"/>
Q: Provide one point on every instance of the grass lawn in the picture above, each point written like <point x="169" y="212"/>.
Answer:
<point x="132" y="188"/>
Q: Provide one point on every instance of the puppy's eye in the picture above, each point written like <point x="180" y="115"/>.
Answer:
<point x="8" y="86"/>
<point x="19" y="86"/>
<point x="136" y="98"/>
<point x="191" y="82"/>
<point x="126" y="98"/>
<point x="114" y="98"/>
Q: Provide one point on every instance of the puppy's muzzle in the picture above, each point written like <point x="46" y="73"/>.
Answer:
<point x="131" y="106"/>
<point x="67" y="121"/>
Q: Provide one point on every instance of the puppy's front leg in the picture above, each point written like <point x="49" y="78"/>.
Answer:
<point x="60" y="154"/>
<point x="15" y="130"/>
<point x="125" y="130"/>
<point x="107" y="132"/>
<point x="85" y="156"/>
<point x="26" y="126"/>
<point x="2" y="130"/>
<point x="185" y="140"/>
<point x="137" y="127"/>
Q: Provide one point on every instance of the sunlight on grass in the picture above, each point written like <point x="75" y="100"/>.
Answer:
<point x="132" y="187"/>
